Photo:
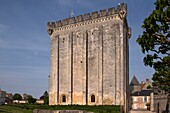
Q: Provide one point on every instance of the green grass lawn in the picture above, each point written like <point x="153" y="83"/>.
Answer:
<point x="28" y="108"/>
<point x="13" y="109"/>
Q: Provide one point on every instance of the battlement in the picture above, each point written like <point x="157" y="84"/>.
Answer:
<point x="121" y="11"/>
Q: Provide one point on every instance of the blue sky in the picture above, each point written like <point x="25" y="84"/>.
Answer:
<point x="24" y="41"/>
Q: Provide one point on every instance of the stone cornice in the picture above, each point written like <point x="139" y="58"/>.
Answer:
<point x="120" y="11"/>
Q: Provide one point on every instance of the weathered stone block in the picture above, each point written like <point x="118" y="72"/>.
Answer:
<point x="65" y="21"/>
<point x="94" y="14"/>
<point x="86" y="16"/>
<point x="79" y="18"/>
<point x="103" y="12"/>
<point x="72" y="20"/>
<point x="111" y="11"/>
<point x="58" y="23"/>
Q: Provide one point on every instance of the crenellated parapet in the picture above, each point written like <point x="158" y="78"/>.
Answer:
<point x="120" y="11"/>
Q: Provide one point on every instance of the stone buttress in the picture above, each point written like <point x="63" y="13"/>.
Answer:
<point x="90" y="59"/>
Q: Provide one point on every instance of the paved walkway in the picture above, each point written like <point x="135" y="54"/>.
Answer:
<point x="140" y="111"/>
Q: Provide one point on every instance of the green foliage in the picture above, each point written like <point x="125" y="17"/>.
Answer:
<point x="162" y="75"/>
<point x="46" y="97"/>
<point x="149" y="87"/>
<point x="31" y="100"/>
<point x="155" y="43"/>
<point x="17" y="96"/>
<point x="13" y="109"/>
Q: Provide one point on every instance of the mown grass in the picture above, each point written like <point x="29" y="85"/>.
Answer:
<point x="28" y="108"/>
<point x="13" y="109"/>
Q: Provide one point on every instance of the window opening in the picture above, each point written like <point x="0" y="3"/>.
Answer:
<point x="92" y="98"/>
<point x="63" y="98"/>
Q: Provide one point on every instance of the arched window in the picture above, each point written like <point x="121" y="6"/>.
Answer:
<point x="92" y="98"/>
<point x="63" y="98"/>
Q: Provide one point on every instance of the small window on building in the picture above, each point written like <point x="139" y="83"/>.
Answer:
<point x="135" y="99"/>
<point x="145" y="98"/>
<point x="92" y="98"/>
<point x="63" y="98"/>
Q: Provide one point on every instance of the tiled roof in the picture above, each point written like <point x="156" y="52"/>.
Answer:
<point x="142" y="93"/>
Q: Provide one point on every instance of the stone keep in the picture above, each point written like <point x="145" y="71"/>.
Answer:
<point x="89" y="59"/>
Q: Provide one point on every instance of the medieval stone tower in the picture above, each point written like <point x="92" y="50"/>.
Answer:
<point x="89" y="59"/>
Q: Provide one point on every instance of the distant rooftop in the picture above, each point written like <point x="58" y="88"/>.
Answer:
<point x="134" y="81"/>
<point x="142" y="93"/>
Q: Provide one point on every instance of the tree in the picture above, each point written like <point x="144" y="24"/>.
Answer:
<point x="149" y="87"/>
<point x="17" y="96"/>
<point x="155" y="43"/>
<point x="46" y="97"/>
<point x="30" y="99"/>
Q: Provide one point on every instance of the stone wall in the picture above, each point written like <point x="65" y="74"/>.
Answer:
<point x="161" y="101"/>
<point x="89" y="57"/>
<point x="120" y="11"/>
<point x="79" y="67"/>
<point x="59" y="111"/>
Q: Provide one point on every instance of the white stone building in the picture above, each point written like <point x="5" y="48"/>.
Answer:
<point x="89" y="59"/>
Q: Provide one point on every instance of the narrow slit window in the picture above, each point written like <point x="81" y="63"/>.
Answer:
<point x="63" y="98"/>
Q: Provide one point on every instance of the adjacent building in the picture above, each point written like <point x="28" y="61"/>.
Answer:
<point x="141" y="99"/>
<point x="9" y="95"/>
<point x="161" y="101"/>
<point x="2" y="97"/>
<point x="8" y="99"/>
<point x="134" y="86"/>
<point x="141" y="95"/>
<point x="39" y="101"/>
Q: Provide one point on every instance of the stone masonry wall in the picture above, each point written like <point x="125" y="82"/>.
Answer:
<point x="59" y="111"/>
<point x="89" y="57"/>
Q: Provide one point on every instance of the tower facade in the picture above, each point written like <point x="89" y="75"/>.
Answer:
<point x="89" y="59"/>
